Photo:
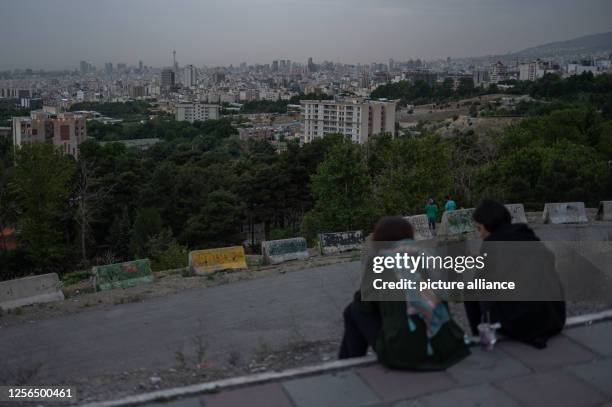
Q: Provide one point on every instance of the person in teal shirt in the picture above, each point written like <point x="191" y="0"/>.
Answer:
<point x="450" y="204"/>
<point x="431" y="209"/>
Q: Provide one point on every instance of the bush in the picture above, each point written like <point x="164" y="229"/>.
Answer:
<point x="75" y="277"/>
<point x="172" y="257"/>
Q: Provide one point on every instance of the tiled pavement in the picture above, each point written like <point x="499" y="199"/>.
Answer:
<point x="574" y="370"/>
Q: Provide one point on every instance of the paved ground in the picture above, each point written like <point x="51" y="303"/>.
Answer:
<point x="575" y="370"/>
<point x="238" y="317"/>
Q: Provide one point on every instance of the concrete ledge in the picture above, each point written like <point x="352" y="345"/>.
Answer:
<point x="30" y="290"/>
<point x="202" y="388"/>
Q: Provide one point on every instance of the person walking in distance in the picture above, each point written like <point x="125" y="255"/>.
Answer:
<point x="431" y="209"/>
<point x="450" y="205"/>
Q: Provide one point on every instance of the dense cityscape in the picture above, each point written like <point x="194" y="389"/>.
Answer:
<point x="191" y="93"/>
<point x="430" y="226"/>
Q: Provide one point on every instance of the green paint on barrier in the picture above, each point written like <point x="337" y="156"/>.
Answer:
<point x="123" y="275"/>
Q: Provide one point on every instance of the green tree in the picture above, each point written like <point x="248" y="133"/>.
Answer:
<point x="343" y="193"/>
<point x="41" y="187"/>
<point x="217" y="224"/>
<point x="416" y="169"/>
<point x="147" y="225"/>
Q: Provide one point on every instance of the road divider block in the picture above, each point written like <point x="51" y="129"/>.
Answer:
<point x="565" y="212"/>
<point x="518" y="213"/>
<point x="30" y="290"/>
<point x="332" y="243"/>
<point x="279" y="251"/>
<point x="604" y="211"/>
<point x="202" y="262"/>
<point x="420" y="225"/>
<point x="458" y="222"/>
<point x="123" y="275"/>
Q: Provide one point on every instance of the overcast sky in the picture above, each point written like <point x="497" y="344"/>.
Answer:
<point x="59" y="33"/>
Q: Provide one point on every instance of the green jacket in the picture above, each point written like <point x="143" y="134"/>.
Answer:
<point x="432" y="211"/>
<point x="399" y="348"/>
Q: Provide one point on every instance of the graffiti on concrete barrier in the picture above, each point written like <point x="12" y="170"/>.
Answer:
<point x="211" y="260"/>
<point x="340" y="242"/>
<point x="122" y="275"/>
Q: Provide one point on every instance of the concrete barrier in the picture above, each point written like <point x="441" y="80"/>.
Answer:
<point x="211" y="260"/>
<point x="123" y="275"/>
<point x="566" y="212"/>
<point x="457" y="222"/>
<point x="332" y="243"/>
<point x="30" y="290"/>
<point x="518" y="213"/>
<point x="604" y="211"/>
<point x="279" y="251"/>
<point x="420" y="224"/>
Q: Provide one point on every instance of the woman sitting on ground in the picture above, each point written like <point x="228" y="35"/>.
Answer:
<point x="531" y="322"/>
<point x="408" y="333"/>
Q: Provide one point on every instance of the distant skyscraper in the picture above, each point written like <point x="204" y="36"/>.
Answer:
<point x="190" y="76"/>
<point x="275" y="66"/>
<point x="311" y="65"/>
<point x="140" y="65"/>
<point x="391" y="64"/>
<point x="86" y="67"/>
<point x="174" y="63"/>
<point x="108" y="68"/>
<point x="218" y="77"/>
<point x="167" y="79"/>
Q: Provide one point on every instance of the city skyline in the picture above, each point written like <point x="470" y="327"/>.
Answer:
<point x="259" y="31"/>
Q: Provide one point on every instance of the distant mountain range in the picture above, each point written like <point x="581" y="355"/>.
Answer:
<point x="592" y="43"/>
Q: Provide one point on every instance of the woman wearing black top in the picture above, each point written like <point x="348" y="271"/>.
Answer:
<point x="531" y="322"/>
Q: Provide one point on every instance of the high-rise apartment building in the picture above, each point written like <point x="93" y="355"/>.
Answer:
<point x="536" y="70"/>
<point x="86" y="67"/>
<point x="498" y="72"/>
<point x="481" y="78"/>
<point x="196" y="111"/>
<point x="167" y="79"/>
<point x="190" y="78"/>
<point x="65" y="130"/>
<point x="357" y="118"/>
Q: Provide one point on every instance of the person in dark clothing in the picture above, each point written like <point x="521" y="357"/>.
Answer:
<point x="402" y="337"/>
<point x="531" y="322"/>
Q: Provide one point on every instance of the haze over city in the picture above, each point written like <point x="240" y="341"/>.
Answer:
<point x="257" y="31"/>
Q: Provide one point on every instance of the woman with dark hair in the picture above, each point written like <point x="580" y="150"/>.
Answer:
<point x="531" y="322"/>
<point x="408" y="333"/>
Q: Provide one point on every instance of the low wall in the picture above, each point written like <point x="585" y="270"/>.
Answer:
<point x="457" y="223"/>
<point x="564" y="212"/>
<point x="420" y="225"/>
<point x="30" y="290"/>
<point x="517" y="211"/>
<point x="604" y="211"/>
<point x="279" y="251"/>
<point x="211" y="260"/>
<point x="331" y="243"/>
<point x="123" y="275"/>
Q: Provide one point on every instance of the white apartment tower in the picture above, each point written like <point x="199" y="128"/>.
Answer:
<point x="357" y="118"/>
<point x="192" y="112"/>
<point x="190" y="78"/>
<point x="498" y="72"/>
